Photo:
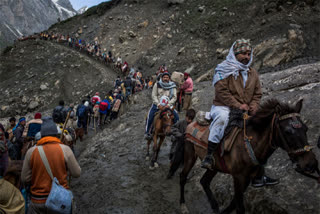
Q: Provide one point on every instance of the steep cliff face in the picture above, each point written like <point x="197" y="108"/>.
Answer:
<point x="24" y="17"/>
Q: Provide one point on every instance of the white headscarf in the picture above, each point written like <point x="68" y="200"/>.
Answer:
<point x="231" y="66"/>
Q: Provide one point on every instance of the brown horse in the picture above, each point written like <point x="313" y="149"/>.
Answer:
<point x="162" y="128"/>
<point x="274" y="126"/>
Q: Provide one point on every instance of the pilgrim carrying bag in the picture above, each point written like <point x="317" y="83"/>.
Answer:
<point x="59" y="199"/>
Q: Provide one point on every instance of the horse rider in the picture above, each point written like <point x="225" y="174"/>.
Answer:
<point x="164" y="87"/>
<point x="236" y="85"/>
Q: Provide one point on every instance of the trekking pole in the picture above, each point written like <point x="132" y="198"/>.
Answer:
<point x="94" y="125"/>
<point x="87" y="122"/>
<point x="64" y="125"/>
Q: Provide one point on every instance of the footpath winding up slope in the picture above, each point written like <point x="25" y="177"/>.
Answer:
<point x="116" y="178"/>
<point x="35" y="75"/>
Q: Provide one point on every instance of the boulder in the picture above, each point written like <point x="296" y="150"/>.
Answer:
<point x="43" y="87"/>
<point x="206" y="76"/>
<point x="275" y="51"/>
<point x="132" y="34"/>
<point x="33" y="105"/>
<point x="143" y="24"/>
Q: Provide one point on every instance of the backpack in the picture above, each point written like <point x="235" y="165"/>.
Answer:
<point x="58" y="114"/>
<point x="94" y="100"/>
<point x="118" y="83"/>
<point x="128" y="83"/>
<point x="103" y="106"/>
<point x="82" y="111"/>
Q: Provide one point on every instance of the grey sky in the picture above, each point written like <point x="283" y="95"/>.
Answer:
<point x="77" y="4"/>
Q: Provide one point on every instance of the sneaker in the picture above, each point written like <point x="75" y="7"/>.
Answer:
<point x="147" y="136"/>
<point x="270" y="181"/>
<point x="264" y="181"/>
<point x="207" y="162"/>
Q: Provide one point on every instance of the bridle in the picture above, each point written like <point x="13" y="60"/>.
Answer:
<point x="167" y="114"/>
<point x="295" y="124"/>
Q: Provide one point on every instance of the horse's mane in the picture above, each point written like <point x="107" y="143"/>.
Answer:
<point x="266" y="111"/>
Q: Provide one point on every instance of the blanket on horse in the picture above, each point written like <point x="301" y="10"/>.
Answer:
<point x="198" y="135"/>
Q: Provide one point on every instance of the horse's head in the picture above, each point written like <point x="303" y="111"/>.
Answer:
<point x="167" y="117"/>
<point x="291" y="136"/>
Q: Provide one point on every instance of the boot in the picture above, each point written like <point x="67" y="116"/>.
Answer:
<point x="209" y="161"/>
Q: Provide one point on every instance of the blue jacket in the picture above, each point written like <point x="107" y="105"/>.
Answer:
<point x="109" y="106"/>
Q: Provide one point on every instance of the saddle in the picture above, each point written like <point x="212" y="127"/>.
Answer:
<point x="199" y="134"/>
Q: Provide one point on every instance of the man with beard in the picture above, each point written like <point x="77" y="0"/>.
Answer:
<point x="162" y="88"/>
<point x="236" y="85"/>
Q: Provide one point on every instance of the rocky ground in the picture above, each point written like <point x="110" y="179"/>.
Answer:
<point x="116" y="177"/>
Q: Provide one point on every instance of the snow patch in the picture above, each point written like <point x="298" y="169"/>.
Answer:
<point x="60" y="9"/>
<point x="10" y="30"/>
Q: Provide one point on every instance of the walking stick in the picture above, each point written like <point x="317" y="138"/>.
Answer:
<point x="87" y="122"/>
<point x="94" y="125"/>
<point x="64" y="125"/>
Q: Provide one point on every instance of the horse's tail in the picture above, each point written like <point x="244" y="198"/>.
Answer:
<point x="177" y="159"/>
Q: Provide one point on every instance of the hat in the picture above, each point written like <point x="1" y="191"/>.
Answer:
<point x="48" y="127"/>
<point x="165" y="73"/>
<point x="37" y="115"/>
<point x="241" y="46"/>
<point x="186" y="74"/>
<point x="97" y="93"/>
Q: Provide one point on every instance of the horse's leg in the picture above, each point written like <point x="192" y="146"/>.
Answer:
<point x="205" y="182"/>
<point x="177" y="159"/>
<point x="154" y="150"/>
<point x="148" y="149"/>
<point x="189" y="161"/>
<point x="240" y="185"/>
<point x="158" y="150"/>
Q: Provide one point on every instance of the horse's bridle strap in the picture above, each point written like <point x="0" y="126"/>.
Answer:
<point x="284" y="117"/>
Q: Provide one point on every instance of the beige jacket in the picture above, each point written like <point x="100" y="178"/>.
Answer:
<point x="157" y="93"/>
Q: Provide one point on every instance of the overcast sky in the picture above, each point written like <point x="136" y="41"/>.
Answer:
<point x="77" y="4"/>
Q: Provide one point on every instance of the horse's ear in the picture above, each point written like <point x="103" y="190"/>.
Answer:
<point x="278" y="108"/>
<point x="298" y="106"/>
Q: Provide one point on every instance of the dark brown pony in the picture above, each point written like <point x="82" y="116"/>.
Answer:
<point x="162" y="128"/>
<point x="274" y="126"/>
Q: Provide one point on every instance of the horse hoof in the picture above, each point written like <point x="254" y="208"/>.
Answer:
<point x="147" y="158"/>
<point x="151" y="168"/>
<point x="184" y="209"/>
<point x="156" y="165"/>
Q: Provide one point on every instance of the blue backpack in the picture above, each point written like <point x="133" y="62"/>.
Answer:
<point x="82" y="111"/>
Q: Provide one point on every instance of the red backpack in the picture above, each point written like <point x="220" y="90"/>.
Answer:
<point x="103" y="106"/>
<point x="94" y="100"/>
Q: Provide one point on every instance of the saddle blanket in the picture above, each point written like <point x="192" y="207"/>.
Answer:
<point x="199" y="135"/>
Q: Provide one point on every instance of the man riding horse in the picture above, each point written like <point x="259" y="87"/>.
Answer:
<point x="237" y="86"/>
<point x="162" y="88"/>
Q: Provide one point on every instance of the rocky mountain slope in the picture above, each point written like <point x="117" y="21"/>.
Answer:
<point x="25" y="17"/>
<point x="35" y="75"/>
<point x="117" y="179"/>
<point x="196" y="34"/>
<point x="192" y="35"/>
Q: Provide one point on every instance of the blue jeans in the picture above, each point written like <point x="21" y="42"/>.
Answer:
<point x="150" y="117"/>
<point x="220" y="116"/>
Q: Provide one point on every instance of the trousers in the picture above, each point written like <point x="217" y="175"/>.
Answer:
<point x="220" y="116"/>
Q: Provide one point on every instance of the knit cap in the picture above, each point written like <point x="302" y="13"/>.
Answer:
<point x="48" y="127"/>
<point x="241" y="46"/>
